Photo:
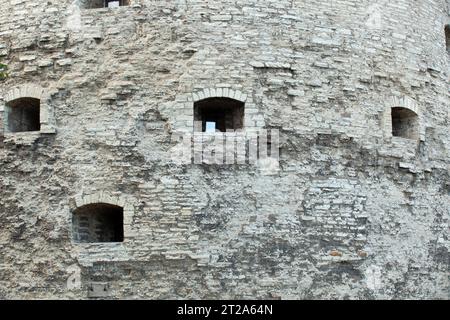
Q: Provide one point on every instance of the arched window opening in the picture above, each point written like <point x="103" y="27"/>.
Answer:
<point x="405" y="123"/>
<point x="96" y="223"/>
<point x="218" y="114"/>
<point x="23" y="115"/>
<point x="93" y="4"/>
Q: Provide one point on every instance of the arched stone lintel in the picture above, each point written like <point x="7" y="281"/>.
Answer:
<point x="24" y="91"/>
<point x="218" y="93"/>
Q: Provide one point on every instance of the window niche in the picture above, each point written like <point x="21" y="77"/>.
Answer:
<point x="405" y="123"/>
<point x="98" y="223"/>
<point x="23" y="115"/>
<point x="94" y="4"/>
<point x="218" y="115"/>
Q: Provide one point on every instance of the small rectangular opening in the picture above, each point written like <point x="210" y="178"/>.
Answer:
<point x="210" y="126"/>
<point x="113" y="4"/>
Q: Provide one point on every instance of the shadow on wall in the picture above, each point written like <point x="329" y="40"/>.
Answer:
<point x="447" y="37"/>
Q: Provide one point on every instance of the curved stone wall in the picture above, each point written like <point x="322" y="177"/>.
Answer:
<point x="351" y="212"/>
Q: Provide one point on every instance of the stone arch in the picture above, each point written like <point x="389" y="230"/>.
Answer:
<point x="405" y="105"/>
<point x="219" y="93"/>
<point x="29" y="91"/>
<point x="180" y="111"/>
<point x="25" y="91"/>
<point x="232" y="97"/>
<point x="113" y="201"/>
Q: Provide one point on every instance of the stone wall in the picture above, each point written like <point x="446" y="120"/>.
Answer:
<point x="353" y="212"/>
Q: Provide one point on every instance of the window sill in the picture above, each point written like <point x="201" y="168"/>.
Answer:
<point x="88" y="253"/>
<point x="401" y="148"/>
<point x="22" y="138"/>
<point x="404" y="141"/>
<point x="99" y="245"/>
<point x="27" y="137"/>
<point x="105" y="10"/>
<point x="220" y="133"/>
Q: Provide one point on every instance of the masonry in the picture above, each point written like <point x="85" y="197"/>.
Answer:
<point x="358" y="90"/>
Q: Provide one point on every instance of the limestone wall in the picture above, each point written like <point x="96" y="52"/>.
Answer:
<point x="352" y="213"/>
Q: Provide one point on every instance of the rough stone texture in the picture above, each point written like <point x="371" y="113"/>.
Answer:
<point x="352" y="213"/>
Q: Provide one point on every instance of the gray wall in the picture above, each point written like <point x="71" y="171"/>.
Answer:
<point x="353" y="212"/>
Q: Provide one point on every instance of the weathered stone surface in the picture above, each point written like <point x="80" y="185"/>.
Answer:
<point x="352" y="213"/>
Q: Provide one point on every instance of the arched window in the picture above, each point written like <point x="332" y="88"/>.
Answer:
<point x="218" y="114"/>
<point x="405" y="123"/>
<point x="92" y="4"/>
<point x="23" y="114"/>
<point x="99" y="222"/>
<point x="447" y="38"/>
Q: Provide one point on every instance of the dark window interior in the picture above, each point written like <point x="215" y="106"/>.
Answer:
<point x="98" y="222"/>
<point x="23" y="115"/>
<point x="219" y="114"/>
<point x="405" y="123"/>
<point x="92" y="4"/>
